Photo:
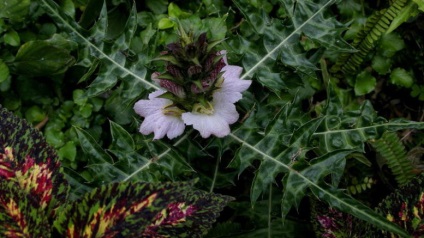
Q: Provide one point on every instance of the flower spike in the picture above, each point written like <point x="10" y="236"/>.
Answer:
<point x="200" y="90"/>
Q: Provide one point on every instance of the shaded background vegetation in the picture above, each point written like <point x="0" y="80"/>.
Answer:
<point x="74" y="70"/>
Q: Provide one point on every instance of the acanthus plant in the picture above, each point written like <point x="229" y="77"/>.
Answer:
<point x="201" y="89"/>
<point x="283" y="145"/>
<point x="34" y="198"/>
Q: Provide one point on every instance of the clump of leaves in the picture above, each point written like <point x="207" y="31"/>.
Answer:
<point x="34" y="201"/>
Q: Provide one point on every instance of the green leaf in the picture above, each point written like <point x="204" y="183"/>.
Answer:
<point x="34" y="114"/>
<point x="320" y="28"/>
<point x="297" y="181"/>
<point x="381" y="64"/>
<point x="12" y="38"/>
<point x="121" y="139"/>
<point x="175" y="12"/>
<point x="4" y="71"/>
<point x="420" y="4"/>
<point x="401" y="77"/>
<point x="14" y="9"/>
<point x="283" y="146"/>
<point x="165" y="23"/>
<point x="407" y="12"/>
<point x="40" y="58"/>
<point x="157" y="6"/>
<point x="390" y="44"/>
<point x="68" y="151"/>
<point x="101" y="164"/>
<point x="111" y="53"/>
<point x="365" y="83"/>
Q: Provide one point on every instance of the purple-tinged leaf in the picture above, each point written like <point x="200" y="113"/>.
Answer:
<point x="20" y="215"/>
<point x="30" y="163"/>
<point x="119" y="208"/>
<point x="190" y="218"/>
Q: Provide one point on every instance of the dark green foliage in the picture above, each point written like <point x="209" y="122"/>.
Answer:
<point x="365" y="41"/>
<point x="392" y="150"/>
<point x="40" y="58"/>
<point x="300" y="146"/>
<point x="111" y="49"/>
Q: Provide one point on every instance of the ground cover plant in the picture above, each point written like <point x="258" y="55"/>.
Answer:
<point x="303" y="112"/>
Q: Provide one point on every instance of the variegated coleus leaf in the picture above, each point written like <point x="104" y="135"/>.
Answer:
<point x="28" y="162"/>
<point x="192" y="217"/>
<point x="404" y="207"/>
<point x="20" y="215"/>
<point x="138" y="209"/>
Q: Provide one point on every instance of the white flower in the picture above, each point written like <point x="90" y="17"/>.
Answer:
<point x="213" y="119"/>
<point x="160" y="116"/>
<point x="231" y="85"/>
<point x="216" y="117"/>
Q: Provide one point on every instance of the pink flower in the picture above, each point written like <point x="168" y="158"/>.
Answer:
<point x="161" y="117"/>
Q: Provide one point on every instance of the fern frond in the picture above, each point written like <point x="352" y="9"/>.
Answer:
<point x="375" y="27"/>
<point x="392" y="149"/>
<point x="358" y="187"/>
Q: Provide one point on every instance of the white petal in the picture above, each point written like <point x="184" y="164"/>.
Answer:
<point x="230" y="97"/>
<point x="161" y="127"/>
<point x="235" y="85"/>
<point x="149" y="124"/>
<point x="155" y="121"/>
<point x="207" y="124"/>
<point x="145" y="108"/>
<point x="224" y="53"/>
<point x="231" y="72"/>
<point x="176" y="128"/>
<point x="225" y="110"/>
<point x="156" y="94"/>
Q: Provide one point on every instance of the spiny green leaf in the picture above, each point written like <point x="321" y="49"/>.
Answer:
<point x="42" y="58"/>
<point x="121" y="139"/>
<point x="295" y="186"/>
<point x="321" y="29"/>
<point x="114" y="61"/>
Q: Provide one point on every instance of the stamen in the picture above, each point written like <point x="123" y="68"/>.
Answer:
<point x="203" y="109"/>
